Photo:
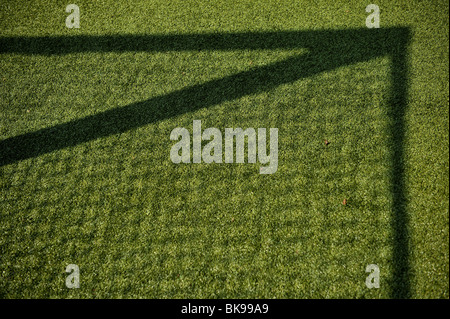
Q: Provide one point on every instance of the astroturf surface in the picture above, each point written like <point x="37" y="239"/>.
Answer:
<point x="86" y="176"/>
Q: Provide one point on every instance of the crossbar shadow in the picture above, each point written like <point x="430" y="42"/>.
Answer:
<point x="327" y="50"/>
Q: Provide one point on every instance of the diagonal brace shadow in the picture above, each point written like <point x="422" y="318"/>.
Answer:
<point x="328" y="50"/>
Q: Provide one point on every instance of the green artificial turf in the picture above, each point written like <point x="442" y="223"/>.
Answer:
<point x="102" y="192"/>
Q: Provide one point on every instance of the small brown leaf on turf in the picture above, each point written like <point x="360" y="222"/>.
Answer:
<point x="344" y="202"/>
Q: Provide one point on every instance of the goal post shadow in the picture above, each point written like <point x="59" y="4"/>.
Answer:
<point x="327" y="50"/>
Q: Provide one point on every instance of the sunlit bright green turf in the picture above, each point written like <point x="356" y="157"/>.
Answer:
<point x="139" y="226"/>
